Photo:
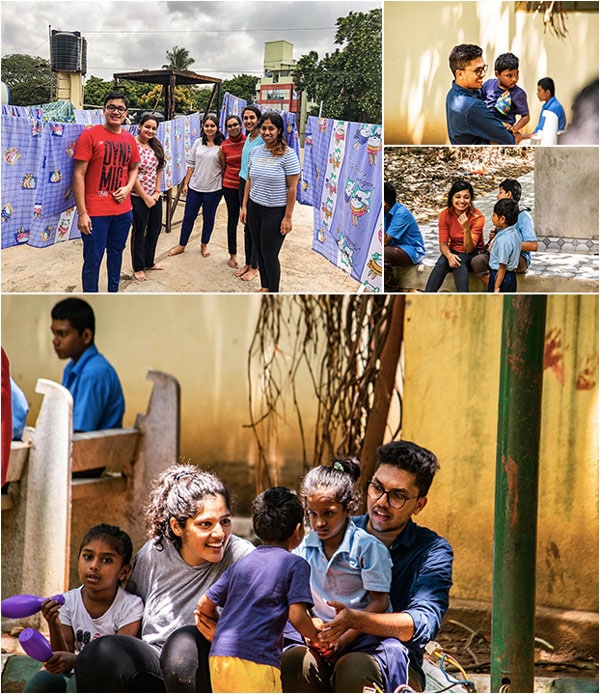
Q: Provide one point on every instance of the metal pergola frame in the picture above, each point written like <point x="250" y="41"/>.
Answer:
<point x="171" y="79"/>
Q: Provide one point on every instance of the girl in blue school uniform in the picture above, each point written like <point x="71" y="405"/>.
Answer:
<point x="348" y="565"/>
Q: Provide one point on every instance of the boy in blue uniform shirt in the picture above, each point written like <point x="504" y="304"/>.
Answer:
<point x="98" y="401"/>
<point x="545" y="92"/>
<point x="503" y="97"/>
<point x="504" y="248"/>
<point x="403" y="243"/>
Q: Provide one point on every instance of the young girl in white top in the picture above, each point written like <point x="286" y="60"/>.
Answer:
<point x="97" y="608"/>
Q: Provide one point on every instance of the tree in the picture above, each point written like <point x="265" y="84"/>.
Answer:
<point x="243" y="86"/>
<point x="348" y="81"/>
<point x="95" y="90"/>
<point x="154" y="99"/>
<point x="179" y="59"/>
<point x="29" y="79"/>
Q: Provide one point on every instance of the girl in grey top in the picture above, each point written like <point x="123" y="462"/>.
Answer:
<point x="188" y="516"/>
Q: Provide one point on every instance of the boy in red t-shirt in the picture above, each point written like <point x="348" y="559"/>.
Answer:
<point x="105" y="170"/>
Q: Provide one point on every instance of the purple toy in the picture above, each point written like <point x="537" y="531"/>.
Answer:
<point x="24" y="605"/>
<point x="35" y="645"/>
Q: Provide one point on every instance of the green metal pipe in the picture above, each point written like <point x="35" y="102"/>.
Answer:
<point x="516" y="498"/>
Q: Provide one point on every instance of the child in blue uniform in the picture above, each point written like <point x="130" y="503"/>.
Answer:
<point x="258" y="594"/>
<point x="505" y="247"/>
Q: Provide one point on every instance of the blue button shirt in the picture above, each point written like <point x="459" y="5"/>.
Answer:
<point x="555" y="106"/>
<point x="525" y="228"/>
<point x="505" y="248"/>
<point x="98" y="401"/>
<point x="421" y="581"/>
<point x="469" y="121"/>
<point x="403" y="229"/>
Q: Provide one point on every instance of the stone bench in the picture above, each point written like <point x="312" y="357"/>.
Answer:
<point x="47" y="509"/>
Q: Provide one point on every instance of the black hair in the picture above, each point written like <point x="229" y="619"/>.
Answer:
<point x="512" y="186"/>
<point x="255" y="110"/>
<point x="506" y="61"/>
<point x="389" y="193"/>
<point x="118" y="539"/>
<point x="219" y="137"/>
<point x="338" y="480"/>
<point x="411" y="457"/>
<point x="276" y="513"/>
<point x="154" y="142"/>
<point x="509" y="209"/>
<point x="78" y="312"/>
<point x="280" y="145"/>
<point x="547" y="84"/>
<point x="456" y="187"/>
<point x="114" y="96"/>
<point x="179" y="492"/>
<point x="461" y="55"/>
<point x="233" y="115"/>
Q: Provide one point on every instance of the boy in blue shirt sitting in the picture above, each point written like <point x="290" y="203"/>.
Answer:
<point x="505" y="247"/>
<point x="503" y="97"/>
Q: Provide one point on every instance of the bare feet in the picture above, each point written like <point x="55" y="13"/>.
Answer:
<point x="177" y="250"/>
<point x="262" y="290"/>
<point x="157" y="266"/>
<point x="204" y="250"/>
<point x="241" y="271"/>
<point x="251" y="274"/>
<point x="140" y="276"/>
<point x="232" y="261"/>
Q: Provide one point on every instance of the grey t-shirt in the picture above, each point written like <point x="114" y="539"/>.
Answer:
<point x="170" y="588"/>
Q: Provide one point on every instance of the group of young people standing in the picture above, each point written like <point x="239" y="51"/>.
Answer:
<point x="117" y="185"/>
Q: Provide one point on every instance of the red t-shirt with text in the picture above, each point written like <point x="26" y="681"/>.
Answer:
<point x="108" y="155"/>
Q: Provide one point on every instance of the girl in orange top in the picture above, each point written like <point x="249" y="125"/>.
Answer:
<point x="461" y="238"/>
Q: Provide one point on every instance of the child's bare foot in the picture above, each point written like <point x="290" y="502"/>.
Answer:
<point x="177" y="250"/>
<point x="241" y="271"/>
<point x="262" y="290"/>
<point x="251" y="274"/>
<point x="204" y="250"/>
<point x="157" y="266"/>
<point x="140" y="276"/>
<point x="232" y="261"/>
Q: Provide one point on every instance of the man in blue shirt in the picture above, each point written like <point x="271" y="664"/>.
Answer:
<point x="403" y="243"/>
<point x="421" y="562"/>
<point x="469" y="121"/>
<point x="545" y="92"/>
<point x="98" y="401"/>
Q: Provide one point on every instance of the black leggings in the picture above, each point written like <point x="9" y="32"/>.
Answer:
<point x="232" y="200"/>
<point x="126" y="664"/>
<point x="249" y="250"/>
<point x="265" y="229"/>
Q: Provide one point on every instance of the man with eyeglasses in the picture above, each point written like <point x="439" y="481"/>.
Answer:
<point x="104" y="173"/>
<point x="421" y="566"/>
<point x="469" y="121"/>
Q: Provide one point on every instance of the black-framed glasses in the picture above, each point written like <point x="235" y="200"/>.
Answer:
<point x="479" y="71"/>
<point x="395" y="498"/>
<point x="118" y="109"/>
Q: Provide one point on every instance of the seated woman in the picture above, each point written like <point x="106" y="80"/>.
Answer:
<point x="461" y="238"/>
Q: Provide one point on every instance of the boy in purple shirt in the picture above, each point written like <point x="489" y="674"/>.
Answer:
<point x="258" y="594"/>
<point x="503" y="97"/>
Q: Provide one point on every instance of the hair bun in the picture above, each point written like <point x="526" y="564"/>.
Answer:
<point x="349" y="466"/>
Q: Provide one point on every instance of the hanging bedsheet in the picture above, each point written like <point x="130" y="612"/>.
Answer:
<point x="342" y="180"/>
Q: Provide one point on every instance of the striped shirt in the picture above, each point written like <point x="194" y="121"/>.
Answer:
<point x="267" y="173"/>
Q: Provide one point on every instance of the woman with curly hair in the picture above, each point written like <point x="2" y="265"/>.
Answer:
<point x="269" y="197"/>
<point x="188" y="518"/>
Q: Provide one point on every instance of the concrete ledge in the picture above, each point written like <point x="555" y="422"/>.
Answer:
<point x="82" y="488"/>
<point x="113" y="449"/>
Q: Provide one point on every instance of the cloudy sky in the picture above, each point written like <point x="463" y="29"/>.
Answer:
<point x="224" y="38"/>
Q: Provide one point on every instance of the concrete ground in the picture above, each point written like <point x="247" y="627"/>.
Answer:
<point x="57" y="269"/>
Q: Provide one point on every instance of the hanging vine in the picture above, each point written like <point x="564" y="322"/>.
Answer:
<point x="338" y="340"/>
<point x="554" y="16"/>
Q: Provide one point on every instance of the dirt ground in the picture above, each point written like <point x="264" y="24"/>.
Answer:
<point x="57" y="269"/>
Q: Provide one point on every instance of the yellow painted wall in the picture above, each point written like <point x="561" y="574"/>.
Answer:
<point x="452" y="362"/>
<point x="451" y="367"/>
<point x="418" y="37"/>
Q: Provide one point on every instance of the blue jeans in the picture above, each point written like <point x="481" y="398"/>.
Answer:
<point x="110" y="234"/>
<point x="509" y="283"/>
<point x="442" y="268"/>
<point x="209" y="203"/>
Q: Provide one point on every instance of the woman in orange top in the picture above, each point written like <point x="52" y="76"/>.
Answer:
<point x="461" y="238"/>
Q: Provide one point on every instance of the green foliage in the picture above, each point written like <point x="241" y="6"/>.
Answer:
<point x="94" y="91"/>
<point x="29" y="79"/>
<point x="178" y="59"/>
<point x="243" y="86"/>
<point x="348" y="81"/>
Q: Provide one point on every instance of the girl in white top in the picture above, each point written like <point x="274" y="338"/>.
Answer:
<point x="99" y="607"/>
<point x="202" y="185"/>
<point x="269" y="197"/>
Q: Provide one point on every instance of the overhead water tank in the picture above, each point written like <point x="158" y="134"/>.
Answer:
<point x="68" y="51"/>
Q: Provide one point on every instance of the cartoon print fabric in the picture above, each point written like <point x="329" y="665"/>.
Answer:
<point x="341" y="179"/>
